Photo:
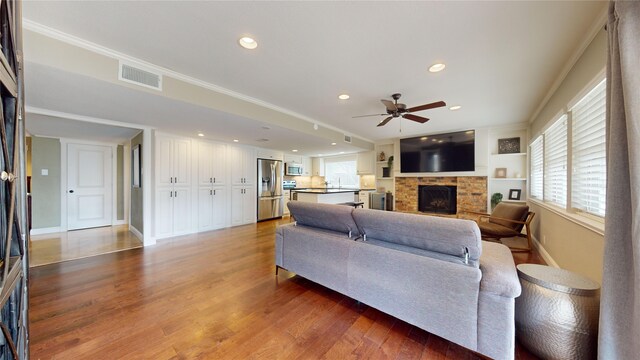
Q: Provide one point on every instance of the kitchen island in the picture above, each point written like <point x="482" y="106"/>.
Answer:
<point x="325" y="196"/>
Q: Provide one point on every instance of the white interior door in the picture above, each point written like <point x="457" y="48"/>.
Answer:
<point x="89" y="186"/>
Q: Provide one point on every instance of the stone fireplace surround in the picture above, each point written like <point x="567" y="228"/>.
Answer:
<point x="471" y="192"/>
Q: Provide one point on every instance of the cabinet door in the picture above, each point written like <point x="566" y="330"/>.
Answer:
<point x="182" y="162"/>
<point x="366" y="163"/>
<point x="307" y="166"/>
<point x="181" y="210"/>
<point x="250" y="165"/>
<point x="289" y="158"/>
<point x="220" y="213"/>
<point x="164" y="212"/>
<point x="205" y="208"/>
<point x="218" y="164"/>
<point x="164" y="161"/>
<point x="236" y="164"/>
<point x="205" y="164"/>
<point x="237" y="202"/>
<point x="249" y="206"/>
<point x="318" y="167"/>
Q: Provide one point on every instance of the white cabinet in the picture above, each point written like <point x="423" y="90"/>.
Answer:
<point x="212" y="208"/>
<point x="270" y="154"/>
<point x="212" y="160"/>
<point x="173" y="161"/>
<point x="242" y="162"/>
<point x="307" y="166"/>
<point x="289" y="158"/>
<point x="173" y="211"/>
<point x="317" y="166"/>
<point x="286" y="194"/>
<point x="243" y="205"/>
<point x="366" y="163"/>
<point x="173" y="186"/>
<point x="364" y="197"/>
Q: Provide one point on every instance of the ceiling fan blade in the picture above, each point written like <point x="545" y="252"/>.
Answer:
<point x="436" y="104"/>
<point x="359" y="116"/>
<point x="416" y="118"/>
<point x="385" y="121"/>
<point x="390" y="105"/>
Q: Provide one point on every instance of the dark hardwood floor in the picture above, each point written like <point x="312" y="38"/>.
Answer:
<point x="212" y="296"/>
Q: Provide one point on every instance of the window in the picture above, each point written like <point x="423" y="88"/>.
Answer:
<point x="537" y="167"/>
<point x="555" y="163"/>
<point x="341" y="171"/>
<point x="589" y="173"/>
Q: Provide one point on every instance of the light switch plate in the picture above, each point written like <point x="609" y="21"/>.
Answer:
<point x="44" y="172"/>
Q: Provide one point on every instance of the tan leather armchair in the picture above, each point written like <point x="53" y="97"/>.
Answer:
<point x="506" y="220"/>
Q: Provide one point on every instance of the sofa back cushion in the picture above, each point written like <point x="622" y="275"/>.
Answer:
<point x="455" y="237"/>
<point x="324" y="216"/>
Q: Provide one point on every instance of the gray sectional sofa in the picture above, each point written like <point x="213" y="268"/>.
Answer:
<point x="432" y="272"/>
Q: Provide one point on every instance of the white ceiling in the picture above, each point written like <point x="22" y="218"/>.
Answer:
<point x="502" y="58"/>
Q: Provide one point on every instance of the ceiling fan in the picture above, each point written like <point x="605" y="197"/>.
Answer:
<point x="400" y="110"/>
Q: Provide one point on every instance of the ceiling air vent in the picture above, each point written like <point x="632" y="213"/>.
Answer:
<point x="135" y="75"/>
<point x="347" y="138"/>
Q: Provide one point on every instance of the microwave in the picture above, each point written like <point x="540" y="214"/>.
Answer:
<point x="293" y="169"/>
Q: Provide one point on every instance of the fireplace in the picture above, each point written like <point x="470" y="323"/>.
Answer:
<point x="437" y="199"/>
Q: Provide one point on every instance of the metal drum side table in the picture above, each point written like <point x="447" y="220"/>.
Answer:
<point x="557" y="313"/>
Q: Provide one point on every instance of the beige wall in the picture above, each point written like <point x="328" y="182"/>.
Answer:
<point x="136" y="193"/>
<point x="570" y="245"/>
<point x="45" y="190"/>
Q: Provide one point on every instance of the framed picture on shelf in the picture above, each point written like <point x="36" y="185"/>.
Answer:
<point x="509" y="145"/>
<point x="501" y="172"/>
<point x="514" y="194"/>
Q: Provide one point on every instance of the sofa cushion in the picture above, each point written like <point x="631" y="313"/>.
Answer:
<point x="325" y="216"/>
<point x="449" y="236"/>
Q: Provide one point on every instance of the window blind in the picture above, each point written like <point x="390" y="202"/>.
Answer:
<point x="555" y="163"/>
<point x="537" y="167"/>
<point x="589" y="173"/>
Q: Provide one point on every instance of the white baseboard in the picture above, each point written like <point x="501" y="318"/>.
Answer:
<point x="119" y="222"/>
<point x="50" y="230"/>
<point x="543" y="252"/>
<point x="136" y="232"/>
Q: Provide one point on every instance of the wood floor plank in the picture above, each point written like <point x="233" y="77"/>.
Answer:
<point x="212" y="295"/>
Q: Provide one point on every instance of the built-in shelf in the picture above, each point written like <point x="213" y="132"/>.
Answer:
<point x="385" y="178"/>
<point x="509" y="179"/>
<point x="514" y="201"/>
<point x="382" y="162"/>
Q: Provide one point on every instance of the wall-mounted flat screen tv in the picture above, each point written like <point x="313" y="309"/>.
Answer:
<point x="438" y="153"/>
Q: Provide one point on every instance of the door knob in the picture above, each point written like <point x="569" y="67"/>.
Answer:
<point x="71" y="191"/>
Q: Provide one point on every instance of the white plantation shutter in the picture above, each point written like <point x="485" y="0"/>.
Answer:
<point x="555" y="163"/>
<point x="537" y="167"/>
<point x="589" y="176"/>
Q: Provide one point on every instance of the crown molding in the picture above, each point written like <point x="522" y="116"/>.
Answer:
<point x="102" y="50"/>
<point x="600" y="22"/>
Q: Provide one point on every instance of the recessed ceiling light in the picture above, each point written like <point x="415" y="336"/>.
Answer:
<point x="200" y="134"/>
<point x="235" y="140"/>
<point x="434" y="139"/>
<point x="333" y="144"/>
<point x="455" y="107"/>
<point x="423" y="138"/>
<point x="440" y="141"/>
<point x="341" y="152"/>
<point x="437" y="67"/>
<point x="343" y="97"/>
<point x="248" y="43"/>
<point x="295" y="150"/>
<point x="319" y="154"/>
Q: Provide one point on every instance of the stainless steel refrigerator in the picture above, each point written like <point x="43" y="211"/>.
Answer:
<point x="270" y="200"/>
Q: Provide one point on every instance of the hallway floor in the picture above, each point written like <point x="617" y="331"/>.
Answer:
<point x="54" y="248"/>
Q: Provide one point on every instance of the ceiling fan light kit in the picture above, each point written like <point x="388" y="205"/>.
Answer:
<point x="396" y="109"/>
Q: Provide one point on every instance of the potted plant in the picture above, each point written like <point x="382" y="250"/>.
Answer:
<point x="495" y="199"/>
